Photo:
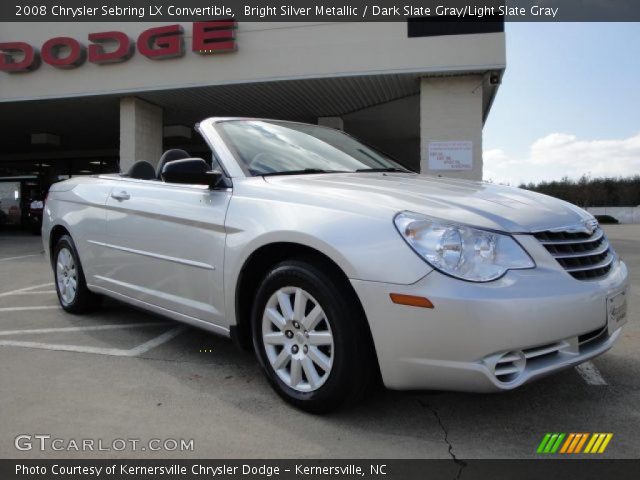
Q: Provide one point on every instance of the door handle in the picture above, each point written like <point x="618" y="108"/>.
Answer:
<point x="121" y="196"/>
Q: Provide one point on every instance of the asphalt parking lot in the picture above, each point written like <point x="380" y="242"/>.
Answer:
<point x="122" y="373"/>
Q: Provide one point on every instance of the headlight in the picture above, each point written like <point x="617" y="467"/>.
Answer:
<point x="460" y="251"/>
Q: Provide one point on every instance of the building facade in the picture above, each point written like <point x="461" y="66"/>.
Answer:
<point x="85" y="98"/>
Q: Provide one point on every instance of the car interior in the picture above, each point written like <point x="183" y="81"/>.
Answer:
<point x="141" y="170"/>
<point x="170" y="156"/>
<point x="144" y="170"/>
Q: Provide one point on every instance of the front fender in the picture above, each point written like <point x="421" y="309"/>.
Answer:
<point x="365" y="246"/>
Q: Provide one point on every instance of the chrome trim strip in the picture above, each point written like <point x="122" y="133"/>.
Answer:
<point x="190" y="263"/>
<point x="586" y="226"/>
<point x="597" y="236"/>
<point x="603" y="248"/>
<point x="605" y="263"/>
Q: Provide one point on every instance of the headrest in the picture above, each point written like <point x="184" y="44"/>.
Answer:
<point x="142" y="170"/>
<point x="170" y="156"/>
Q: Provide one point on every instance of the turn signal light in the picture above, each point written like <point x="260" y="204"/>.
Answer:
<point x="410" y="300"/>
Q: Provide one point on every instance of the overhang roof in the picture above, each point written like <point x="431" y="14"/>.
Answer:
<point x="92" y="122"/>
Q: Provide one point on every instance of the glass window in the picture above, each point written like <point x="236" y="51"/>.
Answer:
<point x="275" y="147"/>
<point x="10" y="196"/>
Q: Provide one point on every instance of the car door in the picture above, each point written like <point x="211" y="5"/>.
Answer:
<point x="82" y="208"/>
<point x="166" y="246"/>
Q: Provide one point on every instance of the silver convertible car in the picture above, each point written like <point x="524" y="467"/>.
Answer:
<point x="338" y="266"/>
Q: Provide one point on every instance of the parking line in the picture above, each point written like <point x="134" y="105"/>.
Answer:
<point x="590" y="373"/>
<point x="116" y="352"/>
<point x="156" y="342"/>
<point x="18" y="258"/>
<point x="24" y="309"/>
<point x="39" y="292"/>
<point x="25" y="289"/>
<point x="81" y="329"/>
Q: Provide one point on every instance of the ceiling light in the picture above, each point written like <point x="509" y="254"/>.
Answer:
<point x="175" y="131"/>
<point x="45" y="139"/>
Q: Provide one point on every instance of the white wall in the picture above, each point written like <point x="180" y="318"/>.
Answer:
<point x="266" y="51"/>
<point x="140" y="132"/>
<point x="451" y="110"/>
<point x="276" y="51"/>
<point x="622" y="214"/>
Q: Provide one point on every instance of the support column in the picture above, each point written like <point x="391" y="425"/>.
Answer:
<point x="451" y="110"/>
<point x="140" y="132"/>
<point x="331" y="122"/>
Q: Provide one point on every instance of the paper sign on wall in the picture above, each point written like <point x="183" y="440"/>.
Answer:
<point x="452" y="155"/>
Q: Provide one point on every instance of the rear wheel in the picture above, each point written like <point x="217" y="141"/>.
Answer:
<point x="310" y="338"/>
<point x="71" y="287"/>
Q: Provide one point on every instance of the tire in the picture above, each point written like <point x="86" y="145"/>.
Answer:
<point x="71" y="286"/>
<point x="334" y="342"/>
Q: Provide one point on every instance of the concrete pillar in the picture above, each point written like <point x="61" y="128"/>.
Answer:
<point x="140" y="132"/>
<point x="331" y="122"/>
<point x="451" y="126"/>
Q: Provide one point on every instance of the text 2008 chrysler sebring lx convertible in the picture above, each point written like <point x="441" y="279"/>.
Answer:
<point x="337" y="265"/>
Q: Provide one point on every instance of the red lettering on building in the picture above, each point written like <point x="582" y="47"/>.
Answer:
<point x="162" y="42"/>
<point x="156" y="43"/>
<point x="63" y="52"/>
<point x="99" y="54"/>
<point x="18" y="57"/>
<point x="214" y="37"/>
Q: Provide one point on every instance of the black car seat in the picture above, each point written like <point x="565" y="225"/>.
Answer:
<point x="142" y="170"/>
<point x="170" y="156"/>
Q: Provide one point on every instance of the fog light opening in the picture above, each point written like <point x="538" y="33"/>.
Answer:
<point x="510" y="366"/>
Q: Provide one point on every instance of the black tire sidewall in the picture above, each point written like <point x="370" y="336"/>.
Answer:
<point x="339" y="314"/>
<point x="82" y="292"/>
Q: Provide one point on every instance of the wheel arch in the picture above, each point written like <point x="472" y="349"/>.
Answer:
<point x="255" y="269"/>
<point x="57" y="232"/>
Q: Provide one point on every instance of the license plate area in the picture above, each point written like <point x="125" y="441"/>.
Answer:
<point x="616" y="311"/>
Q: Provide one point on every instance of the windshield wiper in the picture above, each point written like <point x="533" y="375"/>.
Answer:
<point x="303" y="172"/>
<point x="388" y="169"/>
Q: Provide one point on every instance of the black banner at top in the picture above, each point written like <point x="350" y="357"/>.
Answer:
<point x="319" y="10"/>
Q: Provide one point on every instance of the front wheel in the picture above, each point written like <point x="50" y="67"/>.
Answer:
<point x="311" y="339"/>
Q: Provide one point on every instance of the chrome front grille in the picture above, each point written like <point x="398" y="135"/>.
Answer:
<point x="585" y="256"/>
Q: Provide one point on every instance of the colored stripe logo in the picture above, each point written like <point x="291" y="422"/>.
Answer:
<point x="574" y="443"/>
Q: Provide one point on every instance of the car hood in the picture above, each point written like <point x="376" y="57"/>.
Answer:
<point x="479" y="204"/>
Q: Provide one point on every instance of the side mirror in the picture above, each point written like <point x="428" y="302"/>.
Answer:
<point x="191" y="171"/>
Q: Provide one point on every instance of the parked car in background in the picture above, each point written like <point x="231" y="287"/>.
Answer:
<point x="34" y="215"/>
<point x="337" y="265"/>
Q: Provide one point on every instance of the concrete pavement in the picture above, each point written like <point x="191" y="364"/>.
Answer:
<point x="134" y="375"/>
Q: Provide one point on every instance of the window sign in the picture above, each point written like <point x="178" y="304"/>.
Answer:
<point x="451" y="155"/>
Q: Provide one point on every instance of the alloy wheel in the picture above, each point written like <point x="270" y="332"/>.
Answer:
<point x="297" y="338"/>
<point x="66" y="276"/>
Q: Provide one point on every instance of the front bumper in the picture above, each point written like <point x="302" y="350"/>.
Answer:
<point x="489" y="336"/>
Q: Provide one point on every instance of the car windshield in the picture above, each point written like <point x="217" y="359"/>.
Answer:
<point x="287" y="148"/>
